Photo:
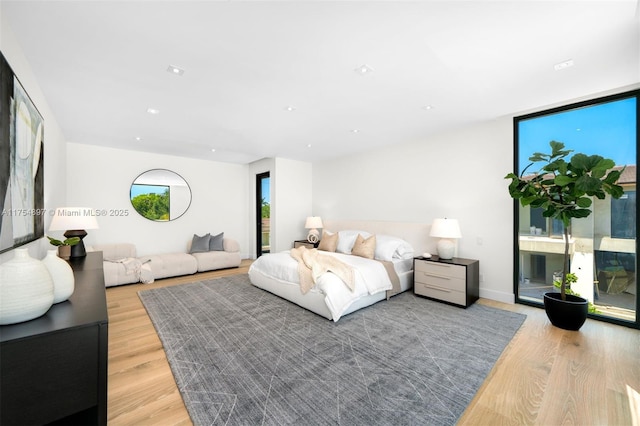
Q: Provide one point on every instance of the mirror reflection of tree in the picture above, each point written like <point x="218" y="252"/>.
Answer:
<point x="152" y="206"/>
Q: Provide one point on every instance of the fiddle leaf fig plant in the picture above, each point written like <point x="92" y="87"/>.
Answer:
<point x="564" y="189"/>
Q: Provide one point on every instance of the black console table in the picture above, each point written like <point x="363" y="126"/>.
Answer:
<point x="53" y="369"/>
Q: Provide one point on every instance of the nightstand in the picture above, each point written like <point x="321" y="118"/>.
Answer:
<point x="454" y="281"/>
<point x="307" y="244"/>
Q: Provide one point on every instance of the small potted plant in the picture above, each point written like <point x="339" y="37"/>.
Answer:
<point x="563" y="189"/>
<point x="64" y="247"/>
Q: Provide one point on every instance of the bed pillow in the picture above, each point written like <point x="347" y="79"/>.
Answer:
<point x="389" y="248"/>
<point x="200" y="244"/>
<point x="346" y="239"/>
<point x="215" y="242"/>
<point x="329" y="241"/>
<point x="364" y="247"/>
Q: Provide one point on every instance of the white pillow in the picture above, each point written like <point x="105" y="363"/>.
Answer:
<point x="389" y="248"/>
<point x="346" y="239"/>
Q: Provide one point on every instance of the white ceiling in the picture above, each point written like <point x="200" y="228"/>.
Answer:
<point x="102" y="64"/>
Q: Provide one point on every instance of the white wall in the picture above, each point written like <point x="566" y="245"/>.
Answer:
<point x="292" y="194"/>
<point x="290" y="200"/>
<point x="256" y="168"/>
<point x="457" y="175"/>
<point x="101" y="177"/>
<point x="54" y="140"/>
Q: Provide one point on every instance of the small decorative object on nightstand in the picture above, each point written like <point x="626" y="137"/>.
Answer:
<point x="307" y="244"/>
<point x="453" y="281"/>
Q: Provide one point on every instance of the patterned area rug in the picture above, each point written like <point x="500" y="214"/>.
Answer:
<point x="242" y="356"/>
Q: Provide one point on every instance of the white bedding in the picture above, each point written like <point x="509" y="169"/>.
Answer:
<point x="371" y="278"/>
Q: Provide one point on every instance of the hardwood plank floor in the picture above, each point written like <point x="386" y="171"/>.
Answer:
<point x="545" y="376"/>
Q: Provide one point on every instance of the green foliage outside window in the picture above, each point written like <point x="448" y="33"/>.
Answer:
<point x="266" y="209"/>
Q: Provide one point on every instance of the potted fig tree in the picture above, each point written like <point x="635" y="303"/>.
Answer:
<point x="563" y="188"/>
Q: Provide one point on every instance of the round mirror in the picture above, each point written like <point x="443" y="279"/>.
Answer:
<point x="160" y="195"/>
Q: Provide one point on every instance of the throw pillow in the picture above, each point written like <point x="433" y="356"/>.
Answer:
<point x="346" y="240"/>
<point x="329" y="241"/>
<point x="200" y="244"/>
<point x="215" y="242"/>
<point x="364" y="248"/>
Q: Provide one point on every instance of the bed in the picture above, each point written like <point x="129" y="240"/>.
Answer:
<point x="330" y="297"/>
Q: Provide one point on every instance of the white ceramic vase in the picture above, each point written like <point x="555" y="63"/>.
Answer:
<point x="62" y="275"/>
<point x="26" y="288"/>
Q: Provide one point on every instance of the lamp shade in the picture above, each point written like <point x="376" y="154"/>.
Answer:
<point x="313" y="222"/>
<point x="445" y="228"/>
<point x="67" y="218"/>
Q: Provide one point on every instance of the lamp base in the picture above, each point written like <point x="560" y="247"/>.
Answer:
<point x="446" y="248"/>
<point x="77" y="250"/>
<point x="314" y="236"/>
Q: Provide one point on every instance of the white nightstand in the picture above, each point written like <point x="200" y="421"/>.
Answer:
<point x="453" y="281"/>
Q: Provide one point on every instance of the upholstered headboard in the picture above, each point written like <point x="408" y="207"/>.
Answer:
<point x="416" y="234"/>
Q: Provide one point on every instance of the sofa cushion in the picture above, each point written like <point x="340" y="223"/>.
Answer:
<point x="213" y="260"/>
<point x="171" y="265"/>
<point x="200" y="244"/>
<point x="215" y="242"/>
<point x="231" y="245"/>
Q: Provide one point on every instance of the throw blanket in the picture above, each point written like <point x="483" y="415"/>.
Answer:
<point x="311" y="265"/>
<point x="132" y="265"/>
<point x="393" y="276"/>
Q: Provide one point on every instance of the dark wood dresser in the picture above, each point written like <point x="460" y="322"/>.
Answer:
<point x="53" y="369"/>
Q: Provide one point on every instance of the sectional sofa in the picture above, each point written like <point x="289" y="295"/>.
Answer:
<point x="123" y="266"/>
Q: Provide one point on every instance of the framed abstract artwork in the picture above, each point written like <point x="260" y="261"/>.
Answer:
<point x="21" y="164"/>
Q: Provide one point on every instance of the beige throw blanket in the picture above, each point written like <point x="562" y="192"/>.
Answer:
<point x="312" y="264"/>
<point x="393" y="276"/>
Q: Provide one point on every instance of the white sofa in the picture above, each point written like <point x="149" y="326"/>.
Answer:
<point x="122" y="265"/>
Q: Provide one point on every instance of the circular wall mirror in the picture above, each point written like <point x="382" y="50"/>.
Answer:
<point x="160" y="195"/>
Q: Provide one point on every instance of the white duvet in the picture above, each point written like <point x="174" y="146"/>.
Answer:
<point x="370" y="278"/>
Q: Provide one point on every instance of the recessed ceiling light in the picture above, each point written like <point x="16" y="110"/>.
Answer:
<point x="138" y="138"/>
<point x="427" y="107"/>
<point x="153" y="111"/>
<point x="175" y="70"/>
<point x="213" y="150"/>
<point x="290" y="108"/>
<point x="363" y="70"/>
<point x="309" y="146"/>
<point x="354" y="130"/>
<point x="563" y="65"/>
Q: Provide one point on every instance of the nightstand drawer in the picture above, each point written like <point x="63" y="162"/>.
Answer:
<point x="441" y="281"/>
<point x="445" y="294"/>
<point x="441" y="269"/>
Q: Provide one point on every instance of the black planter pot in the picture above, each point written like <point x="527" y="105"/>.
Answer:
<point x="567" y="314"/>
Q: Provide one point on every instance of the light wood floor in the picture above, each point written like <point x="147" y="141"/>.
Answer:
<point x="546" y="376"/>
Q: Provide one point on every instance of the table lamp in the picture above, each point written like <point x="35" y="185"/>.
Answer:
<point x="74" y="221"/>
<point x="447" y="230"/>
<point x="313" y="223"/>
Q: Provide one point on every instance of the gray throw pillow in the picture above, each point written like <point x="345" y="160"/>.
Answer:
<point x="215" y="242"/>
<point x="200" y="244"/>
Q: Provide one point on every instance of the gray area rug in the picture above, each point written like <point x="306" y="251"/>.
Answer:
<point x="242" y="356"/>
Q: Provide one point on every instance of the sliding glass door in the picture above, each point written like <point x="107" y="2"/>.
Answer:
<point x="603" y="246"/>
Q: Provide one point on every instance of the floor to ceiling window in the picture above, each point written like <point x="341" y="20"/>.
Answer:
<point x="603" y="246"/>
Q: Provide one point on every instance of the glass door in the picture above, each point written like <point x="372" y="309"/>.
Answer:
<point x="263" y="213"/>
<point x="603" y="246"/>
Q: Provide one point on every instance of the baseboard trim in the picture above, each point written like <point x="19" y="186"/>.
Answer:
<point x="499" y="296"/>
